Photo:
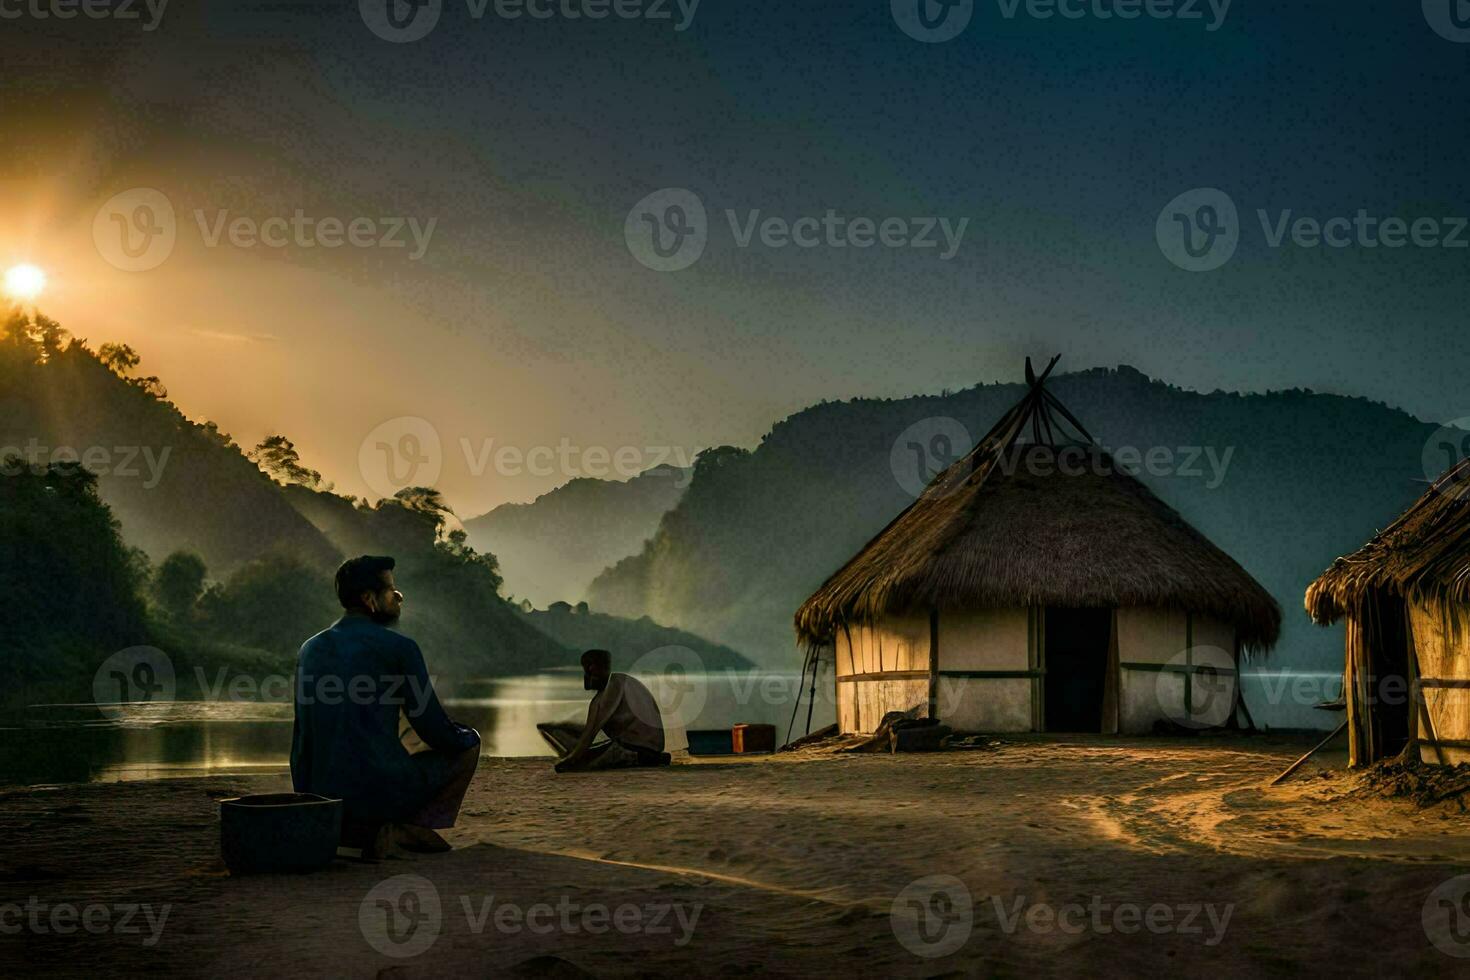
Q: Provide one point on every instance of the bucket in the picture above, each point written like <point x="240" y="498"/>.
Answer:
<point x="279" y="832"/>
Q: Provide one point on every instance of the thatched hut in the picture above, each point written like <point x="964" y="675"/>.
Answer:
<point x="1036" y="586"/>
<point x="1406" y="598"/>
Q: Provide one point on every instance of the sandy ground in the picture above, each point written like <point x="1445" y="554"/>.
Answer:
<point x="779" y="865"/>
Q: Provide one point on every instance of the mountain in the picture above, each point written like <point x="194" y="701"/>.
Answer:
<point x="172" y="483"/>
<point x="552" y="548"/>
<point x="632" y="639"/>
<point x="262" y="553"/>
<point x="1284" y="482"/>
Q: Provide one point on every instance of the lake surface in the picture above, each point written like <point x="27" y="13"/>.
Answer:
<point x="81" y="743"/>
<point x="70" y="743"/>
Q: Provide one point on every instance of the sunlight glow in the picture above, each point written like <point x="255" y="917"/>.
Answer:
<point x="24" y="282"/>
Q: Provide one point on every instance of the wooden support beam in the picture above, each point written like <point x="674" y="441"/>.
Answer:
<point x="1315" y="749"/>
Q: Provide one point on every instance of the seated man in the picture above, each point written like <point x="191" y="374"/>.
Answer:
<point x="354" y="682"/>
<point x="623" y="709"/>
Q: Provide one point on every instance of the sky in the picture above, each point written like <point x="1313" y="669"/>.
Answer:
<point x="947" y="200"/>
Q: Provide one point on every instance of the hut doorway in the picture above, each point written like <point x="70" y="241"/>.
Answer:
<point x="1075" y="659"/>
<point x="1385" y="673"/>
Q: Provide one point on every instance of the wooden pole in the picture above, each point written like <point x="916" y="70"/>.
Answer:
<point x="1315" y="749"/>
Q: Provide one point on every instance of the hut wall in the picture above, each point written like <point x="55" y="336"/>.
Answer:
<point x="983" y="640"/>
<point x="1149" y="638"/>
<point x="895" y="644"/>
<point x="1442" y="641"/>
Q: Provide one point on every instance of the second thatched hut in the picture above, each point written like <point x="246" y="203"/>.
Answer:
<point x="1406" y="598"/>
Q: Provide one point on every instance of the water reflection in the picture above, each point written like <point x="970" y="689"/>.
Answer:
<point x="76" y="743"/>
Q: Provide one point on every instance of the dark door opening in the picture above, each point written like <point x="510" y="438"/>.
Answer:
<point x="1388" y="643"/>
<point x="1076" y="662"/>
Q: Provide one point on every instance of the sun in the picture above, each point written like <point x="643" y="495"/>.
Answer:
<point x="25" y="282"/>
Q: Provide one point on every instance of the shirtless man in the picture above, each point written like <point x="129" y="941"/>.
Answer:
<point x="622" y="709"/>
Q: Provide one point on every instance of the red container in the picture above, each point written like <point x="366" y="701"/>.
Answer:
<point x="753" y="738"/>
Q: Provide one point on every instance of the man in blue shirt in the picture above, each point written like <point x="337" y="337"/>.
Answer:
<point x="361" y="689"/>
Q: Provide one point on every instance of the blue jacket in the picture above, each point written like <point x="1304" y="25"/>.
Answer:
<point x="352" y="681"/>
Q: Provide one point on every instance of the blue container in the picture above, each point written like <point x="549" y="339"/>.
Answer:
<point x="710" y="741"/>
<point x="279" y="832"/>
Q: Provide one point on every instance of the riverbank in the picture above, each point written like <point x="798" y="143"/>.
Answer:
<point x="1103" y="856"/>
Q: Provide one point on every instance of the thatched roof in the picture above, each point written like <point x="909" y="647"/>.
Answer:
<point x="1426" y="552"/>
<point x="1045" y="522"/>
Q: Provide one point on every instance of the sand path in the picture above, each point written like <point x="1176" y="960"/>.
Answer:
<point x="791" y="864"/>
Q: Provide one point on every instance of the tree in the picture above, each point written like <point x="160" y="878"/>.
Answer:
<point x="178" y="584"/>
<point x="120" y="359"/>
<point x="277" y="458"/>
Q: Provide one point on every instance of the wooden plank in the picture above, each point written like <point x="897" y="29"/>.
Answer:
<point x="990" y="674"/>
<point x="1448" y="743"/>
<point x="1179" y="668"/>
<point x="1414" y="696"/>
<point x="886" y="675"/>
<point x="934" y="664"/>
